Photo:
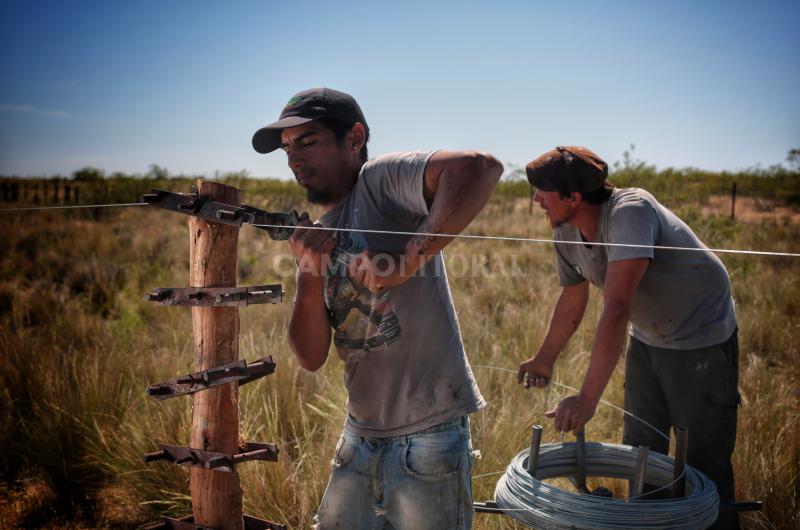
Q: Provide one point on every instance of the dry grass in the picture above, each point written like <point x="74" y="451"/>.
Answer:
<point x="78" y="345"/>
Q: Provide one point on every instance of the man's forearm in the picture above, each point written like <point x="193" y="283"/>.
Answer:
<point x="622" y="279"/>
<point x="557" y="337"/>
<point x="463" y="190"/>
<point x="309" y="327"/>
<point x="607" y="348"/>
<point x="566" y="318"/>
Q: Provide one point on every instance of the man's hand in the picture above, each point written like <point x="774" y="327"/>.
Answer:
<point x="572" y="413"/>
<point x="535" y="372"/>
<point x="377" y="271"/>
<point x="309" y="246"/>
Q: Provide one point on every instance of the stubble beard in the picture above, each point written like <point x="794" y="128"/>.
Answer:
<point x="327" y="194"/>
<point x="564" y="220"/>
<point x="318" y="196"/>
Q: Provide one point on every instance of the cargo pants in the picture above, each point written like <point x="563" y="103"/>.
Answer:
<point x="696" y="389"/>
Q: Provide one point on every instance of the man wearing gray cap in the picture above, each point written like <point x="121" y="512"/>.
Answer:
<point x="404" y="458"/>
<point x="681" y="367"/>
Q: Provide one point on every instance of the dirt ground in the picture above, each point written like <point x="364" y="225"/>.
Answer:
<point x="30" y="504"/>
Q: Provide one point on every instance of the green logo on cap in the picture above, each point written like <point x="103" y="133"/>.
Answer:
<point x="294" y="101"/>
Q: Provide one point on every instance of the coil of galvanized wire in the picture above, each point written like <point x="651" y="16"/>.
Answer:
<point x="540" y="505"/>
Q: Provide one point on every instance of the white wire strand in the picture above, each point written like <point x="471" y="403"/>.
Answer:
<point x="32" y="208"/>
<point x="567" y="387"/>
<point x="460" y="236"/>
<point x="535" y="240"/>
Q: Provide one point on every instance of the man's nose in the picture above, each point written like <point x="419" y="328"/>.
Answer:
<point x="295" y="161"/>
<point x="537" y="197"/>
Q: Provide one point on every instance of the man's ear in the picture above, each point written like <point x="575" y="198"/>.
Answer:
<point x="357" y="136"/>
<point x="576" y="197"/>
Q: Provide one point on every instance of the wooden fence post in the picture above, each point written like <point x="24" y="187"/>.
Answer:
<point x="216" y="496"/>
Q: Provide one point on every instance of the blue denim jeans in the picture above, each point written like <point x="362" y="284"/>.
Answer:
<point x="419" y="481"/>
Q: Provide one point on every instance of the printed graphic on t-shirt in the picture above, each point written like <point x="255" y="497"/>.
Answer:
<point x="362" y="320"/>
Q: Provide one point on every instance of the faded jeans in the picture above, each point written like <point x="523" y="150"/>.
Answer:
<point x="418" y="481"/>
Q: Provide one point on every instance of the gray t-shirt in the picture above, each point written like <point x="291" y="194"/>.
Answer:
<point x="684" y="298"/>
<point x="405" y="367"/>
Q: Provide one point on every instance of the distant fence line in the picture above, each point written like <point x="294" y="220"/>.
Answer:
<point x="673" y="187"/>
<point x="60" y="191"/>
<point x="40" y="192"/>
<point x="32" y="192"/>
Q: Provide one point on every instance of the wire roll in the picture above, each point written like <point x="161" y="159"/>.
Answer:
<point x="540" y="505"/>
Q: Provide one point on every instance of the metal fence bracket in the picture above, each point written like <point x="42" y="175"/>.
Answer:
<point x="212" y="459"/>
<point x="240" y="372"/>
<point x="228" y="214"/>
<point x="216" y="296"/>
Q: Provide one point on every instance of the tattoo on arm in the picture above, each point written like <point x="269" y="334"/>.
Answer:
<point x="423" y="242"/>
<point x="445" y="211"/>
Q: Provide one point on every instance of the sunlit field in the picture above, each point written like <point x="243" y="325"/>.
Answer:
<point x="79" y="345"/>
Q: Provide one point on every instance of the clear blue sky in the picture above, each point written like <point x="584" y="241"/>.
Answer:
<point x="121" y="85"/>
